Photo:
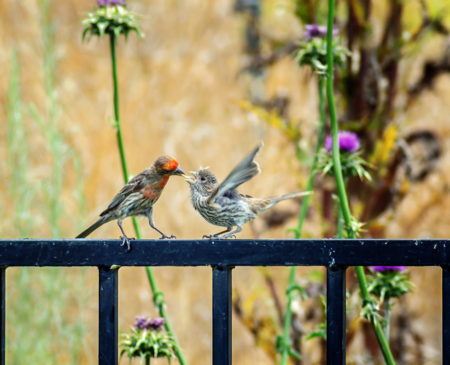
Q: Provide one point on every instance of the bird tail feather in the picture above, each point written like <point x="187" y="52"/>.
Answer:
<point x="278" y="199"/>
<point x="101" y="221"/>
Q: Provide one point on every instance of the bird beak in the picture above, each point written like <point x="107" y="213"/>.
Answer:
<point x="178" y="171"/>
<point x="190" y="180"/>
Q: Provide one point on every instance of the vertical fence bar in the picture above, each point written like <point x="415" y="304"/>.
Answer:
<point x="108" y="294"/>
<point x="222" y="315"/>
<point x="446" y="314"/>
<point x="2" y="315"/>
<point x="336" y="316"/>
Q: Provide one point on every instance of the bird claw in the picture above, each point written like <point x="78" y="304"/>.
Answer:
<point x="126" y="240"/>
<point x="164" y="237"/>
<point x="228" y="236"/>
<point x="211" y="236"/>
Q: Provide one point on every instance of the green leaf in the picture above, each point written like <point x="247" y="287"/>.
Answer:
<point x="298" y="288"/>
<point x="122" y="352"/>
<point x="102" y="27"/>
<point x="318" y="333"/>
<point x="294" y="354"/>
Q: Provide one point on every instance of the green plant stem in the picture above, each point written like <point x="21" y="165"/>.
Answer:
<point x="302" y="216"/>
<point x="340" y="225"/>
<point x="158" y="300"/>
<point x="384" y="346"/>
<point x="123" y="160"/>
<point x="158" y="297"/>
<point x="147" y="361"/>
<point x="387" y="316"/>
<point x="287" y="320"/>
<point x="321" y="137"/>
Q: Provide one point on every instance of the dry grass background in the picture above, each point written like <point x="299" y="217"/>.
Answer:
<point x="177" y="90"/>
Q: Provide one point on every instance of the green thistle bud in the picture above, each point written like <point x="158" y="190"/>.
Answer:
<point x="313" y="52"/>
<point x="147" y="340"/>
<point x="351" y="162"/>
<point x="391" y="283"/>
<point x="110" y="17"/>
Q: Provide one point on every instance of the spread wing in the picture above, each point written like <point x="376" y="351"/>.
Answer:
<point x="243" y="172"/>
<point x="135" y="185"/>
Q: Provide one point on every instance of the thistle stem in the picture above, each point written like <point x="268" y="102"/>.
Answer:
<point x="287" y="320"/>
<point x="340" y="225"/>
<point x="302" y="216"/>
<point x="387" y="316"/>
<point x="320" y="139"/>
<point x="158" y="298"/>
<point x="123" y="160"/>
<point x="341" y="188"/>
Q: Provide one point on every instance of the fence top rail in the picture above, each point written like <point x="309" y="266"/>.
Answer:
<point x="320" y="252"/>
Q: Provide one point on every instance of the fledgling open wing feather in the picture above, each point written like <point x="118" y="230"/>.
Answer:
<point x="243" y="172"/>
<point x="136" y="184"/>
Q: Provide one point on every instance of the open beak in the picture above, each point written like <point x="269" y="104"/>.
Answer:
<point x="179" y="171"/>
<point x="191" y="180"/>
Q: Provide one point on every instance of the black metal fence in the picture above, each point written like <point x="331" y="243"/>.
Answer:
<point x="223" y="256"/>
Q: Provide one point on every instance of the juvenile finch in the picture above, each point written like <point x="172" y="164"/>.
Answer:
<point x="138" y="196"/>
<point x="222" y="205"/>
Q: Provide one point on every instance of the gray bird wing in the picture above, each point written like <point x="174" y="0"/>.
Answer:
<point x="243" y="172"/>
<point x="136" y="184"/>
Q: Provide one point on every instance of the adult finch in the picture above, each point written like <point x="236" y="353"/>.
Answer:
<point x="222" y="205"/>
<point x="138" y="196"/>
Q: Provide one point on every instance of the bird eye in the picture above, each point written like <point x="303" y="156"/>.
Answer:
<point x="203" y="179"/>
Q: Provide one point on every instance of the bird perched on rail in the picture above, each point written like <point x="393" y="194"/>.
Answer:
<point x="222" y="205"/>
<point x="138" y="196"/>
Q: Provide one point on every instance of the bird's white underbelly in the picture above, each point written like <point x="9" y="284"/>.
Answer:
<point x="227" y="213"/>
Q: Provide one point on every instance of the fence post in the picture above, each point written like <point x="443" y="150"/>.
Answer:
<point x="2" y="315"/>
<point x="222" y="315"/>
<point x="445" y="314"/>
<point x="336" y="316"/>
<point x="108" y="337"/>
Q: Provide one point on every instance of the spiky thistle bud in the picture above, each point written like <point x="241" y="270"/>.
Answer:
<point x="148" y="340"/>
<point x="313" y="51"/>
<point x="110" y="17"/>
<point x="351" y="162"/>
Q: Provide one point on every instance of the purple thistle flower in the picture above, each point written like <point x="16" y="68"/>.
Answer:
<point x="157" y="323"/>
<point x="110" y="2"/>
<point x="143" y="323"/>
<point x="348" y="141"/>
<point x="388" y="268"/>
<point x="319" y="31"/>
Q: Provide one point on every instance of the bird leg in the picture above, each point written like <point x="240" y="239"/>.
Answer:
<point x="124" y="238"/>
<point x="164" y="237"/>
<point x="215" y="236"/>
<point x="230" y="235"/>
<point x="152" y="224"/>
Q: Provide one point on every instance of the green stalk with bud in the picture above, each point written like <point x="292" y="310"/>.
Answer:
<point x="369" y="307"/>
<point x="112" y="18"/>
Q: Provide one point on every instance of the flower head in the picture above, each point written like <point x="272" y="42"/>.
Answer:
<point x="153" y="343"/>
<point x="140" y="323"/>
<point x="348" y="141"/>
<point x="156" y="323"/>
<point x="320" y="31"/>
<point x="389" y="282"/>
<point x="111" y="17"/>
<point x="143" y="322"/>
<point x="110" y="2"/>
<point x="388" y="268"/>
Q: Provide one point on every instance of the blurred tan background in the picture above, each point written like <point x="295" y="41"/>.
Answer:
<point x="178" y="88"/>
